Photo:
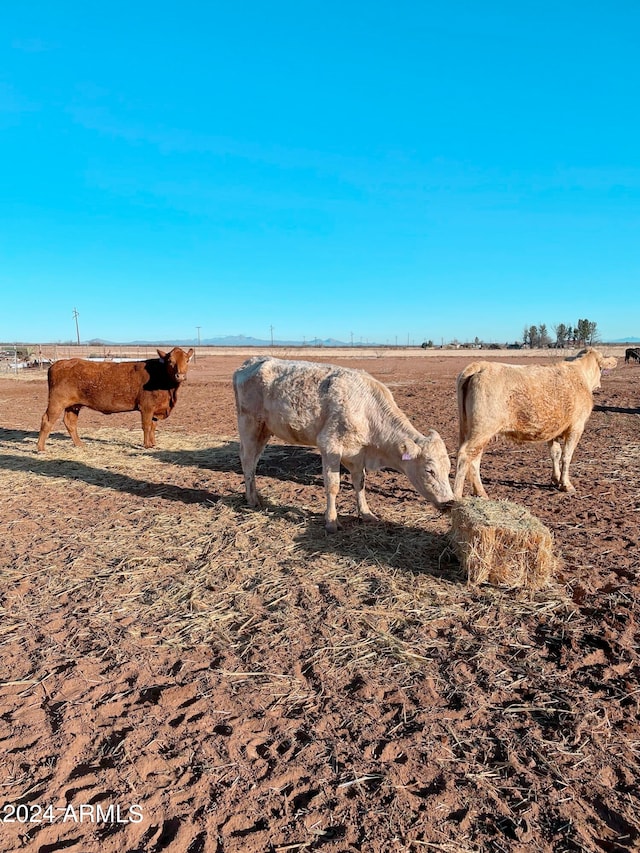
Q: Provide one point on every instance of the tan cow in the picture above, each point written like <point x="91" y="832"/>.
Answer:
<point x="150" y="387"/>
<point x="549" y="403"/>
<point x="350" y="416"/>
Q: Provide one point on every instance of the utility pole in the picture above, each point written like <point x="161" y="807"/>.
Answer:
<point x="196" y="354"/>
<point x="271" y="330"/>
<point x="75" y="317"/>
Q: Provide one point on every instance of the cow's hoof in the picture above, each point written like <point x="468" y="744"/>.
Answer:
<point x="368" y="516"/>
<point x="332" y="527"/>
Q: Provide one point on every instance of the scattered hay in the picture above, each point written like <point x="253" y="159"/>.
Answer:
<point x="502" y="543"/>
<point x="160" y="547"/>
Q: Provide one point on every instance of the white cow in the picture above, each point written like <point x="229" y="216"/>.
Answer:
<point x="549" y="403"/>
<point x="350" y="416"/>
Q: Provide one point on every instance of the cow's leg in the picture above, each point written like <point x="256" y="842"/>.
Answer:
<point x="555" y="449"/>
<point x="358" y="477"/>
<point x="48" y="420"/>
<point x="253" y="437"/>
<point x="461" y="472"/>
<point x="468" y="466"/>
<point x="571" y="440"/>
<point x="71" y="422"/>
<point x="476" y="483"/>
<point x="148" y="427"/>
<point x="331" y="474"/>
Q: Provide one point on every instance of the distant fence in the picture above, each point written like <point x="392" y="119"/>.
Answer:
<point x="14" y="356"/>
<point x="56" y="351"/>
<point x="33" y="359"/>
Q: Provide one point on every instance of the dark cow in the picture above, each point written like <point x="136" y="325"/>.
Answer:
<point x="632" y="354"/>
<point x="149" y="387"/>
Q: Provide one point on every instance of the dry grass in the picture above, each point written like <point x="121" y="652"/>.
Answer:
<point x="500" y="542"/>
<point x="139" y="543"/>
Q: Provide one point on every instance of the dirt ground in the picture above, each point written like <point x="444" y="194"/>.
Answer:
<point x="182" y="673"/>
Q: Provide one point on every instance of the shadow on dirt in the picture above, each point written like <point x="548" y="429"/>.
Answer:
<point x="412" y="550"/>
<point x="406" y="547"/>
<point x="223" y="458"/>
<point x="72" y="470"/>
<point x="288" y="463"/>
<point x="17" y="435"/>
<point x="619" y="410"/>
<point x="295" y="464"/>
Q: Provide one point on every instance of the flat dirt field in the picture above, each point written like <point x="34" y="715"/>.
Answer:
<point x="180" y="672"/>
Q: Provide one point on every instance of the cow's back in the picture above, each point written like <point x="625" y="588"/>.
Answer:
<point x="105" y="386"/>
<point x="298" y="400"/>
<point x="524" y="402"/>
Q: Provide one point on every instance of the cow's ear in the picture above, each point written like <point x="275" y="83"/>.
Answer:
<point x="162" y="355"/>
<point x="409" y="450"/>
<point x="190" y="354"/>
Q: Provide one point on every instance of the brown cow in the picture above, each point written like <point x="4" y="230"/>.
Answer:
<point x="350" y="416"/>
<point x="549" y="403"/>
<point x="150" y="387"/>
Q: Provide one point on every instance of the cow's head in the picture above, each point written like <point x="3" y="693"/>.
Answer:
<point x="604" y="362"/>
<point x="176" y="362"/>
<point x="607" y="362"/>
<point x="595" y="363"/>
<point x="426" y="463"/>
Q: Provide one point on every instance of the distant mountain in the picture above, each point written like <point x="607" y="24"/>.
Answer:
<point x="630" y="340"/>
<point x="225" y="341"/>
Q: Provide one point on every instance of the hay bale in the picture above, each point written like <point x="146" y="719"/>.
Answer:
<point x="502" y="543"/>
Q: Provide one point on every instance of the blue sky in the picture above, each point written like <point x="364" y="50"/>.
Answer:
<point x="409" y="169"/>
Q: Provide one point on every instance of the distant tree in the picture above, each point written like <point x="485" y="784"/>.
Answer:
<point x="587" y="332"/>
<point x="562" y="335"/>
<point x="584" y="333"/>
<point x="581" y="332"/>
<point x="543" y="337"/>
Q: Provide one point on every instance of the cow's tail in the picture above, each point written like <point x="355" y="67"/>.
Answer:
<point x="464" y="381"/>
<point x="50" y="379"/>
<point x="242" y="371"/>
